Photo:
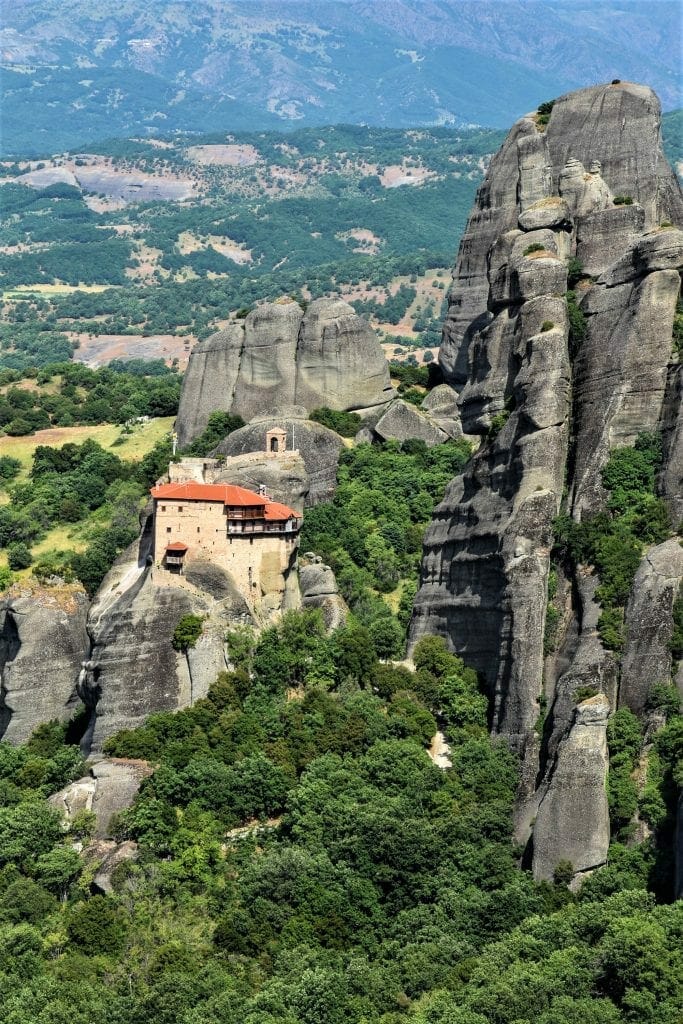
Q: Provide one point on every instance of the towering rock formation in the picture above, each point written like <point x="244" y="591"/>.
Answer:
<point x="280" y="356"/>
<point x="594" y="187"/>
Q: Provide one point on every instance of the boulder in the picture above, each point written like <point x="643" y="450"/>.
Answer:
<point x="43" y="640"/>
<point x="572" y="823"/>
<point x="402" y="421"/>
<point x="108" y="855"/>
<point x="279" y="356"/>
<point x="319" y="590"/>
<point x="549" y="212"/>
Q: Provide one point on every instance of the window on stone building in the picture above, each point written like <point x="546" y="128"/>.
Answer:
<point x="168" y="529"/>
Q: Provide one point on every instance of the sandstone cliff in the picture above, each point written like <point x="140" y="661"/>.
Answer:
<point x="42" y="639"/>
<point x="280" y="356"/>
<point x="550" y="404"/>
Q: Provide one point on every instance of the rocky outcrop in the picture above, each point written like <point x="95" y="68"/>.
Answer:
<point x="441" y="405"/>
<point x="278" y="356"/>
<point x="123" y="681"/>
<point x="649" y="624"/>
<point x="572" y="823"/>
<point x="42" y="640"/>
<point x="615" y="126"/>
<point x="109" y="788"/>
<point x="318" y="448"/>
<point x="402" y="421"/>
<point x="549" y="404"/>
<point x="285" y="478"/>
<point x="319" y="590"/>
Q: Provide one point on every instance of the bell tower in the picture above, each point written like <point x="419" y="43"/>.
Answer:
<point x="276" y="441"/>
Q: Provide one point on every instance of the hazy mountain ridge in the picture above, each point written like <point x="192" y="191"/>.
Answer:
<point x="123" y="70"/>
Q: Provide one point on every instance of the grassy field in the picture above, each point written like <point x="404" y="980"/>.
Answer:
<point x="136" y="444"/>
<point x="46" y="290"/>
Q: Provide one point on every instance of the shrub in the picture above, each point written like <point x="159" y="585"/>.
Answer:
<point x="9" y="467"/>
<point x="345" y="423"/>
<point x="611" y="628"/>
<point x="187" y="632"/>
<point x="497" y="423"/>
<point x="547" y="325"/>
<point x="584" y="693"/>
<point x="534" y="247"/>
<point x="577" y="321"/>
<point x="552" y="619"/>
<point x="19" y="556"/>
<point x="574" y="271"/>
<point x="543" y="113"/>
<point x="623" y="201"/>
<point x="563" y="873"/>
<point x="676" y="642"/>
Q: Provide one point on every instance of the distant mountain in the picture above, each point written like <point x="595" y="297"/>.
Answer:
<point x="79" y="70"/>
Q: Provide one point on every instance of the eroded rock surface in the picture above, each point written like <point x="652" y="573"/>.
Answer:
<point x="132" y="669"/>
<point x="278" y="356"/>
<point x="649" y="624"/>
<point x="319" y="590"/>
<point x="318" y="449"/>
<point x="42" y="640"/>
<point x="550" y="405"/>
<point x="110" y="787"/>
<point x="572" y="823"/>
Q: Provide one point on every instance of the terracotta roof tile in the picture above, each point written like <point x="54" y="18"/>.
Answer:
<point x="229" y="494"/>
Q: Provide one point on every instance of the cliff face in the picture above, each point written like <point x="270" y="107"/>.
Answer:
<point x="280" y="356"/>
<point x="42" y="638"/>
<point x="550" y="409"/>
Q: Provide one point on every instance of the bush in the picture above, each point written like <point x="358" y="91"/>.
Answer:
<point x="219" y="426"/>
<point x="9" y="467"/>
<point x="547" y="325"/>
<point x="345" y="423"/>
<point x="187" y="632"/>
<point x="19" y="556"/>
<point x="574" y="271"/>
<point x="577" y="320"/>
<point x="534" y="247"/>
<point x="497" y="424"/>
<point x="623" y="201"/>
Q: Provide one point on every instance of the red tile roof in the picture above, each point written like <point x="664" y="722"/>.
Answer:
<point x="228" y="494"/>
<point x="177" y="546"/>
<point x="275" y="511"/>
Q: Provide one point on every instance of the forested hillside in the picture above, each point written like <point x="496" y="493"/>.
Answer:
<point x="136" y="249"/>
<point x="357" y="211"/>
<point x="301" y="860"/>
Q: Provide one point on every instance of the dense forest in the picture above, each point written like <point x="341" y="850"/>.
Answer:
<point x="302" y="860"/>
